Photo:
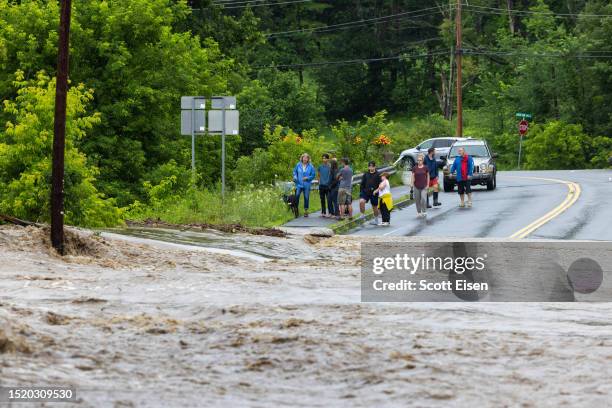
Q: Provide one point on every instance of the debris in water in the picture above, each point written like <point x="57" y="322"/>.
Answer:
<point x="57" y="319"/>
<point x="230" y="228"/>
<point x="82" y="300"/>
<point x="10" y="342"/>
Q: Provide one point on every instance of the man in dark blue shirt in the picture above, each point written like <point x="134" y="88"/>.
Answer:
<point x="324" y="172"/>
<point x="432" y="166"/>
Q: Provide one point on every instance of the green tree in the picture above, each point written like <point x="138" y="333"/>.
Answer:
<point x="130" y="53"/>
<point x="25" y="156"/>
<point x="557" y="145"/>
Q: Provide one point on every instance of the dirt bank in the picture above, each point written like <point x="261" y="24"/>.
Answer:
<point x="134" y="324"/>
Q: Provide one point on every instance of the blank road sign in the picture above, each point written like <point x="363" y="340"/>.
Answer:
<point x="187" y="102"/>
<point x="217" y="102"/>
<point x="215" y="122"/>
<point x="200" y="122"/>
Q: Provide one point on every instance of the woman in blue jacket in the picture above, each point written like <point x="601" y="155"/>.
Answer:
<point x="464" y="166"/>
<point x="303" y="174"/>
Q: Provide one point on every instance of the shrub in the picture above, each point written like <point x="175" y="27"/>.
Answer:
<point x="25" y="157"/>
<point x="557" y="145"/>
<point x="255" y="168"/>
<point x="276" y="163"/>
<point x="362" y="142"/>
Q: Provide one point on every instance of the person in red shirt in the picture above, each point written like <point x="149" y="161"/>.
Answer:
<point x="464" y="166"/>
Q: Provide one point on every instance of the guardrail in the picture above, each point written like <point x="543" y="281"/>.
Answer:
<point x="357" y="177"/>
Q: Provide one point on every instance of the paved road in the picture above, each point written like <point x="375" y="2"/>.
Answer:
<point x="520" y="199"/>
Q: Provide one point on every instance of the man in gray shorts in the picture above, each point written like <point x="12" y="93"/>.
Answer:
<point x="345" y="199"/>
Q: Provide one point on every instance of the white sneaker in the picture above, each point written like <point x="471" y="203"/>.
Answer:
<point x="374" y="222"/>
<point x="469" y="204"/>
<point x="385" y="224"/>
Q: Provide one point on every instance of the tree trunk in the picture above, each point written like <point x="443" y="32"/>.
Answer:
<point x="511" y="17"/>
<point x="445" y="97"/>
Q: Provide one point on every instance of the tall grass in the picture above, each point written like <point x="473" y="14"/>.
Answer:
<point x="252" y="205"/>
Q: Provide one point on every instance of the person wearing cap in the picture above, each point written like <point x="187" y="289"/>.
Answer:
<point x="368" y="191"/>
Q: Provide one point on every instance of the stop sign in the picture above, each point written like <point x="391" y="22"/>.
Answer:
<point x="523" y="127"/>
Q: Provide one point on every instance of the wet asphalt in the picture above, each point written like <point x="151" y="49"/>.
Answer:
<point x="520" y="198"/>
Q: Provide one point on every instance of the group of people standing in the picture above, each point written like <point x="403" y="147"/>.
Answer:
<point x="336" y="185"/>
<point x="425" y="177"/>
<point x="336" y="188"/>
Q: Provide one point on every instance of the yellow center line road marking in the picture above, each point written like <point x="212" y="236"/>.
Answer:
<point x="572" y="196"/>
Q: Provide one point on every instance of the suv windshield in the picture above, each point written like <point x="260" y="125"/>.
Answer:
<point x="474" y="150"/>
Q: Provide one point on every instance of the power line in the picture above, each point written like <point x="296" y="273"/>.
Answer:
<point x="496" y="10"/>
<point x="537" y="54"/>
<point x="408" y="45"/>
<point x="438" y="52"/>
<point x="353" y="61"/>
<point x="356" y="22"/>
<point x="348" y="27"/>
<point x="245" y="4"/>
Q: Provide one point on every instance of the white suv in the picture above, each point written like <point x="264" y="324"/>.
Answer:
<point x="442" y="145"/>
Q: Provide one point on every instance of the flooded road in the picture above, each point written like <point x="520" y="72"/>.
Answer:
<point x="207" y="319"/>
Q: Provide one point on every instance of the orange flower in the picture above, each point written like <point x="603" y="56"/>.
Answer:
<point x="382" y="140"/>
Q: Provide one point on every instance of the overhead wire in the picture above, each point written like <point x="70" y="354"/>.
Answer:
<point x="356" y="23"/>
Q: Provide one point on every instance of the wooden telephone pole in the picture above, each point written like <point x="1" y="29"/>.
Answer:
<point x="59" y="130"/>
<point x="458" y="53"/>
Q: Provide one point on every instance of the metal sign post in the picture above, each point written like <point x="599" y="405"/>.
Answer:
<point x="523" y="126"/>
<point x="193" y="172"/>
<point x="223" y="157"/>
<point x="223" y="121"/>
<point x="193" y="121"/>
<point x="520" y="150"/>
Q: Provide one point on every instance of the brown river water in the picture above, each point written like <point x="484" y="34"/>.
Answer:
<point x="210" y="319"/>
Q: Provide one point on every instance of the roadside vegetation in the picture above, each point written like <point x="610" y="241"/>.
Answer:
<point x="132" y="61"/>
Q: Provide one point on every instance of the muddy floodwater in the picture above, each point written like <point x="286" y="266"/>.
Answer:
<point x="197" y="319"/>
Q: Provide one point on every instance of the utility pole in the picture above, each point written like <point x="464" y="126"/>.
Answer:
<point x="59" y="130"/>
<point x="458" y="52"/>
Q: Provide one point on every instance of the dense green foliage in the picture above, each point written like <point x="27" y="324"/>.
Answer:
<point x="25" y="157"/>
<point x="315" y="76"/>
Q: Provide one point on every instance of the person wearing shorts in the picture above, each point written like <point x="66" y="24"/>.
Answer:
<point x="368" y="191"/>
<point x="434" y="185"/>
<point x="464" y="166"/>
<point x="345" y="198"/>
